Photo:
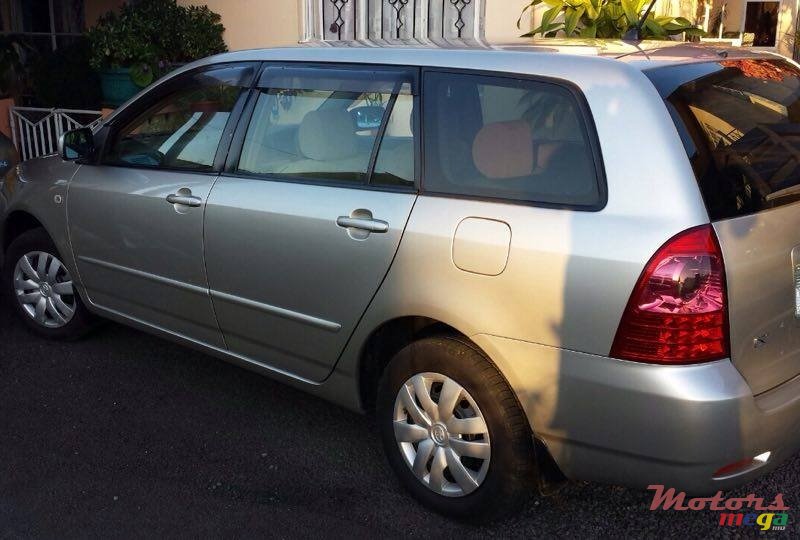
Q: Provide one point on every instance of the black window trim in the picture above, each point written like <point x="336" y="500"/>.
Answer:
<point x="237" y="143"/>
<point x="588" y="125"/>
<point x="151" y="97"/>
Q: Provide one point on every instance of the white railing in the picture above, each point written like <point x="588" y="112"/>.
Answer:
<point x="35" y="131"/>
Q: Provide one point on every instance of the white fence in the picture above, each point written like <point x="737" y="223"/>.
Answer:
<point x="35" y="131"/>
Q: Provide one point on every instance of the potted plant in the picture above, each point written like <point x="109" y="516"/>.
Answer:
<point x="64" y="79"/>
<point x="132" y="47"/>
<point x="606" y="19"/>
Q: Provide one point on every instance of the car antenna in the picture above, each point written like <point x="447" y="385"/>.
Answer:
<point x="635" y="33"/>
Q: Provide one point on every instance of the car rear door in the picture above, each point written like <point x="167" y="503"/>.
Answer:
<point x="302" y="227"/>
<point x="740" y="123"/>
<point x="136" y="216"/>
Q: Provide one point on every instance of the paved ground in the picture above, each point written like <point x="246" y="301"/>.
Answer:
<point x="124" y="435"/>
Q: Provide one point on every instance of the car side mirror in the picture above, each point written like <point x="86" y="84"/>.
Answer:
<point x="76" y="144"/>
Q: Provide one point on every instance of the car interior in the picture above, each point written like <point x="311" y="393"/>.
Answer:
<point x="507" y="141"/>
<point x="315" y="134"/>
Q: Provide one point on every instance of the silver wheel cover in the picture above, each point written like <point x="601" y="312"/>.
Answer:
<point x="43" y="287"/>
<point x="442" y="434"/>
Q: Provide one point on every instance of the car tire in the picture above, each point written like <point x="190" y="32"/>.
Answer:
<point x="46" y="301"/>
<point x="501" y="478"/>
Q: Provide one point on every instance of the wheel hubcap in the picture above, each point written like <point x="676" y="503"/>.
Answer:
<point x="43" y="288"/>
<point x="439" y="435"/>
<point x="442" y="434"/>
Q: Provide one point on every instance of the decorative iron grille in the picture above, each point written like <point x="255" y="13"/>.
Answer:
<point x="393" y="20"/>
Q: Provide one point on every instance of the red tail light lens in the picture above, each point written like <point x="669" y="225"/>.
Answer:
<point x="677" y="313"/>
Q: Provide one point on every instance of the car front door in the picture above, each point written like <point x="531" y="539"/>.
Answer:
<point x="302" y="227"/>
<point x="136" y="216"/>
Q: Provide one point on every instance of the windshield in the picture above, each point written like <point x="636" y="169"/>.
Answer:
<point x="740" y="124"/>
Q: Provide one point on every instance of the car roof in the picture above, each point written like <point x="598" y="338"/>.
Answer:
<point x="641" y="54"/>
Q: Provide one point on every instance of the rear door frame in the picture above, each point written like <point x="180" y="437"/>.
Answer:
<point x="234" y="152"/>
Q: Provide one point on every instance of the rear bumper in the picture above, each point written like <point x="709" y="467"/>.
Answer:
<point x="634" y="424"/>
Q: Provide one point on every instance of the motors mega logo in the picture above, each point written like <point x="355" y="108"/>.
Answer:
<point x="749" y="511"/>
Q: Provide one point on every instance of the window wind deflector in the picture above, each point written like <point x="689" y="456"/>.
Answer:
<point x="337" y="80"/>
<point x="231" y="75"/>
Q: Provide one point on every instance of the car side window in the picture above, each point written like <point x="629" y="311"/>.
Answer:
<point x="395" y="163"/>
<point x="324" y="124"/>
<point x="507" y="138"/>
<point x="183" y="129"/>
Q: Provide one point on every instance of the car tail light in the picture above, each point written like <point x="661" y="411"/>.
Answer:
<point x="677" y="313"/>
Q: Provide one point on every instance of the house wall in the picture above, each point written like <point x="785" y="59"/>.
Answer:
<point x="501" y="19"/>
<point x="734" y="21"/>
<point x="267" y="23"/>
<point x="93" y="9"/>
<point x="251" y="24"/>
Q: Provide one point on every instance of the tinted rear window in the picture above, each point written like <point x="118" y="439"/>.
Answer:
<point x="509" y="139"/>
<point x="740" y="123"/>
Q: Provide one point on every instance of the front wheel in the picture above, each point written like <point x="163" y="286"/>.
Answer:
<point x="41" y="289"/>
<point x="454" y="432"/>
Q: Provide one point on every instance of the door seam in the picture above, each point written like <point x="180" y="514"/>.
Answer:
<point x="205" y="264"/>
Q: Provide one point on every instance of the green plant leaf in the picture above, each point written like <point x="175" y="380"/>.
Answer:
<point x="549" y="15"/>
<point x="155" y="32"/>
<point x="604" y="19"/>
<point x="592" y="8"/>
<point x="656" y="30"/>
<point x="630" y="8"/>
<point x="698" y="32"/>
<point x="589" y="31"/>
<point x="571" y="19"/>
<point x="684" y="21"/>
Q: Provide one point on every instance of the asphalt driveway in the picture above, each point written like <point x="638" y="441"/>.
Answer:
<point x="126" y="435"/>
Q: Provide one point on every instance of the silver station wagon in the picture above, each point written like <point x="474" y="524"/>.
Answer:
<point x="531" y="263"/>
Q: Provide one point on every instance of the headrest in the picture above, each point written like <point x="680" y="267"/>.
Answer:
<point x="504" y="150"/>
<point x="328" y="135"/>
<point x="402" y="118"/>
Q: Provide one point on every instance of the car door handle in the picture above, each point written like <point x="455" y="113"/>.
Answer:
<point x="186" y="200"/>
<point x="364" y="224"/>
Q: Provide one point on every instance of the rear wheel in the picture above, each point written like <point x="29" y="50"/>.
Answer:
<point x="41" y="289"/>
<point x="454" y="432"/>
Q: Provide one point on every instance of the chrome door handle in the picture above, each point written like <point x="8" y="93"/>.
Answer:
<point x="186" y="200"/>
<point x="363" y="224"/>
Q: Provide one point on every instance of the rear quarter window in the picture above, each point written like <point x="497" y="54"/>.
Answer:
<point x="739" y="121"/>
<point x="509" y="139"/>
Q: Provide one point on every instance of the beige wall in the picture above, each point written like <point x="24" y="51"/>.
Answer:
<point x="501" y="19"/>
<point x="251" y="24"/>
<point x="94" y="8"/>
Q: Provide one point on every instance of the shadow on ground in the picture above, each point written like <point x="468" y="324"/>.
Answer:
<point x="123" y="434"/>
